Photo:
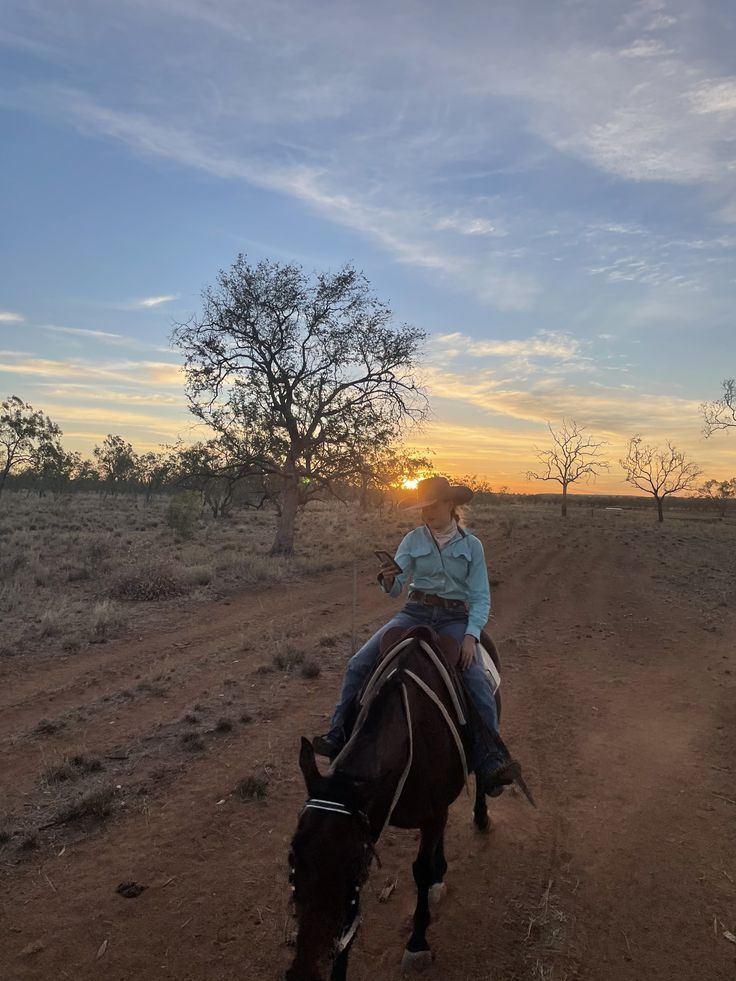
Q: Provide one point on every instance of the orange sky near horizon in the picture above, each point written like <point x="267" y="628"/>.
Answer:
<point x="488" y="433"/>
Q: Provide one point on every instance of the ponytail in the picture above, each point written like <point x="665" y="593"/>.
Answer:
<point x="458" y="514"/>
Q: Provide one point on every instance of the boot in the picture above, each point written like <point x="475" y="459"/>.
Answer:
<point x="327" y="746"/>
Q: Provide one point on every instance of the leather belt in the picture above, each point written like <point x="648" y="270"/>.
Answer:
<point x="429" y="599"/>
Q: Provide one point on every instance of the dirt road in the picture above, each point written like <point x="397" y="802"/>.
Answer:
<point x="620" y="696"/>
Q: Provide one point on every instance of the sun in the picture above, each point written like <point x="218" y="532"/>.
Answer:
<point x="410" y="484"/>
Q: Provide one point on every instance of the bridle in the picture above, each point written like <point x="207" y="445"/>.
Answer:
<point x="316" y="804"/>
<point x="337" y="807"/>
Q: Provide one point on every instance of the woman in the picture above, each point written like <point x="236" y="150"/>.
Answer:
<point x="446" y="571"/>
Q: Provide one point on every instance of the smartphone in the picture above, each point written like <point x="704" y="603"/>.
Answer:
<point x="387" y="558"/>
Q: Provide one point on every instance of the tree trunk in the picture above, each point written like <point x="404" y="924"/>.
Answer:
<point x="4" y="474"/>
<point x="283" y="543"/>
<point x="660" y="502"/>
<point x="564" y="500"/>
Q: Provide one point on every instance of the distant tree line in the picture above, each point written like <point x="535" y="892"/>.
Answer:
<point x="308" y="387"/>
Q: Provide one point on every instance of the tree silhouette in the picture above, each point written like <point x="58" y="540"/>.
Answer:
<point x="658" y="472"/>
<point x="302" y="376"/>
<point x="25" y="432"/>
<point x="574" y="456"/>
<point x="721" y="413"/>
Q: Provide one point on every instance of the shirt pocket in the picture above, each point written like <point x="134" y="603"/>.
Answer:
<point x="425" y="559"/>
<point x="458" y="566"/>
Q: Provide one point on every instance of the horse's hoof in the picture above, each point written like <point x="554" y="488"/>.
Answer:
<point x="481" y="821"/>
<point x="416" y="960"/>
<point x="437" y="893"/>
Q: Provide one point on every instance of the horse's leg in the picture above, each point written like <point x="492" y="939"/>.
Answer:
<point x="417" y="953"/>
<point x="439" y="867"/>
<point x="480" y="811"/>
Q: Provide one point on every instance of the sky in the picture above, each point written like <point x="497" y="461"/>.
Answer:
<point x="548" y="189"/>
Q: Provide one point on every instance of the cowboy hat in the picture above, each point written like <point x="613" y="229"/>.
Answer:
<point x="435" y="489"/>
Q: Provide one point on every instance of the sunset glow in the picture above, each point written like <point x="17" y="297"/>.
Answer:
<point x="552" y="202"/>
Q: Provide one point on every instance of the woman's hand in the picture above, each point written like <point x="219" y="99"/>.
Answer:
<point x="388" y="574"/>
<point x="467" y="651"/>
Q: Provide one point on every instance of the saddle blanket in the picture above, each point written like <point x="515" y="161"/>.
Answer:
<point x="494" y="678"/>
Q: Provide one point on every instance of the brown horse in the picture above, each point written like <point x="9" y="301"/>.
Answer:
<point x="403" y="765"/>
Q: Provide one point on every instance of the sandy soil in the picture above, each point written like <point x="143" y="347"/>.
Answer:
<point x="620" y="700"/>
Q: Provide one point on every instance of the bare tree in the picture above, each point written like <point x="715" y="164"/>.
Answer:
<point x="721" y="413"/>
<point x="24" y="433"/>
<point x="574" y="456"/>
<point x="301" y="376"/>
<point x="658" y="472"/>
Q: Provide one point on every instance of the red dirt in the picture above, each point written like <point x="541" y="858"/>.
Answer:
<point x="619" y="700"/>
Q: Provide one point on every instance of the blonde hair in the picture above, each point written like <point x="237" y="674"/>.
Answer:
<point x="458" y="514"/>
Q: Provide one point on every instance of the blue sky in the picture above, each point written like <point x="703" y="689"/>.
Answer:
<point x="548" y="189"/>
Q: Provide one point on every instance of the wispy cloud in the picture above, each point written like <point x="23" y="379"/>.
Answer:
<point x="101" y="335"/>
<point x="156" y="301"/>
<point x="545" y="344"/>
<point x="7" y="317"/>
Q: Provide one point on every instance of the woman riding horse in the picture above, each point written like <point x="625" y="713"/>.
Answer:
<point x="447" y="577"/>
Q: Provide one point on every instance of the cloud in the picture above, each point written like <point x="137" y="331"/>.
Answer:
<point x="6" y="317"/>
<point x="155" y="301"/>
<point x="715" y="96"/>
<point x="467" y="225"/>
<point x="544" y="344"/>
<point x="131" y="374"/>
<point x="102" y="335"/>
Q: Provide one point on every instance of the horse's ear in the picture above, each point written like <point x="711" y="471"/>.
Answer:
<point x="308" y="766"/>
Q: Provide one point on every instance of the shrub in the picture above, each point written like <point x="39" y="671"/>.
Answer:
<point x="198" y="575"/>
<point x="310" y="669"/>
<point x="192" y="742"/>
<point x="96" y="805"/>
<point x="291" y="658"/>
<point x="183" y="513"/>
<point x="72" y="768"/>
<point x="252" y="788"/>
<point x="107" y="617"/>
<point x="152" y="582"/>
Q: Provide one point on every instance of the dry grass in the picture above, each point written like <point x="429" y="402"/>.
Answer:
<point x="93" y="806"/>
<point x="70" y="569"/>
<point x="71" y="768"/>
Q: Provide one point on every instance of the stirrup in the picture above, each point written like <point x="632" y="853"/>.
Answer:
<point x="503" y="776"/>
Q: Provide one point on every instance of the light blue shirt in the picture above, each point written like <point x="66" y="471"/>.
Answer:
<point x="458" y="571"/>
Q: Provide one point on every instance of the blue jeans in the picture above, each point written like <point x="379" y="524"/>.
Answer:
<point x="451" y="622"/>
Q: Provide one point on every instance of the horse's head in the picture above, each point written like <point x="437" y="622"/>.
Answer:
<point x="329" y="859"/>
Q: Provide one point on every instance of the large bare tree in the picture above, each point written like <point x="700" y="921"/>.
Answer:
<point x="721" y="413"/>
<point x="574" y="456"/>
<point x="301" y="375"/>
<point x="659" y="472"/>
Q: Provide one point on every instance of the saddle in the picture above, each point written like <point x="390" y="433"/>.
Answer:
<point x="448" y="647"/>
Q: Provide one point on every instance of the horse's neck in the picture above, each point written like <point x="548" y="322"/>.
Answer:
<point x="376" y="757"/>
